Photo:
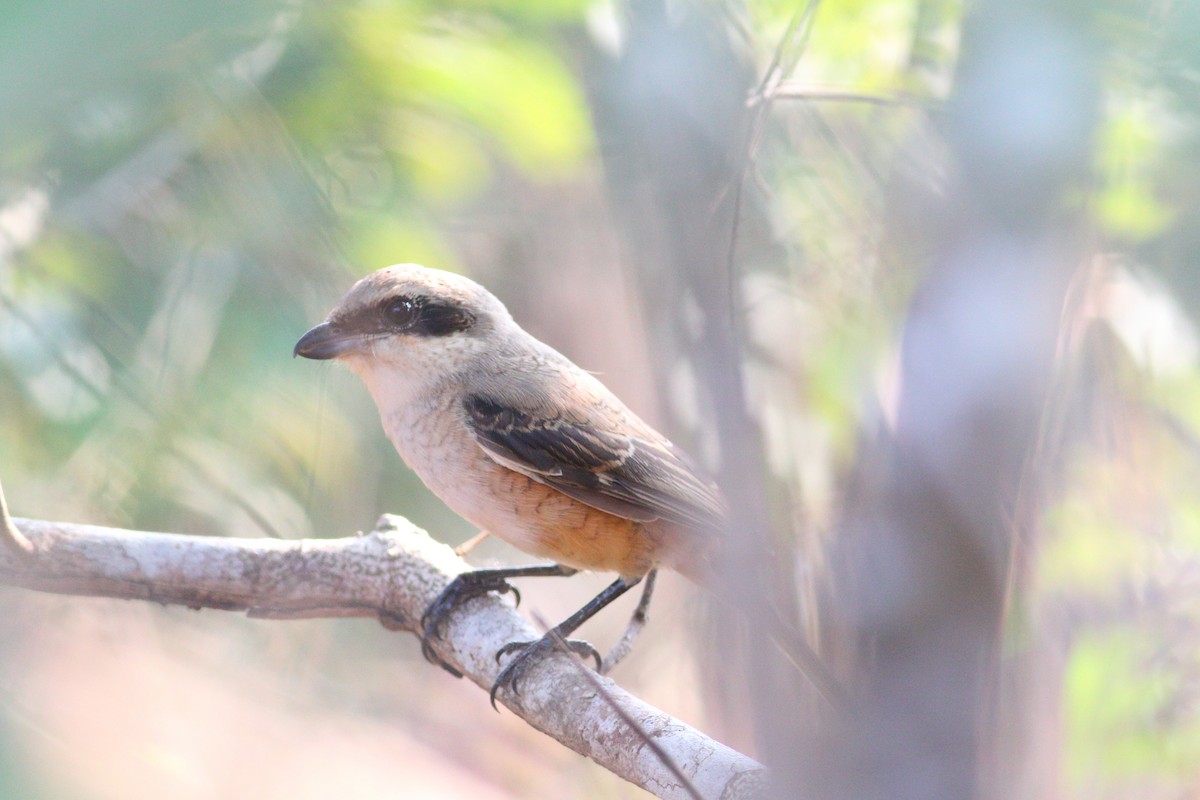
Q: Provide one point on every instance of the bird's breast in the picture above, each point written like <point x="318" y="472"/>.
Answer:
<point x="432" y="437"/>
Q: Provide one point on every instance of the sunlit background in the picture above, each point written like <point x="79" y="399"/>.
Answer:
<point x="186" y="187"/>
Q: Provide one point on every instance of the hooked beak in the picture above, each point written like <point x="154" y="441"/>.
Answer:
<point x="324" y="342"/>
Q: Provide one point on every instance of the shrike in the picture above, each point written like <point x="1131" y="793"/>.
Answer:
<point x="520" y="441"/>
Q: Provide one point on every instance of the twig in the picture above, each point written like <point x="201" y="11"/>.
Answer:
<point x="787" y="51"/>
<point x="14" y="540"/>
<point x="393" y="574"/>
<point x="591" y="678"/>
<point x="792" y="90"/>
<point x="470" y="544"/>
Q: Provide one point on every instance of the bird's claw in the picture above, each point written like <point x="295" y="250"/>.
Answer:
<point x="528" y="653"/>
<point x="433" y="658"/>
<point x="458" y="591"/>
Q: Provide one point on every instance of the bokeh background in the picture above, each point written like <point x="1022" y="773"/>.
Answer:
<point x="736" y="214"/>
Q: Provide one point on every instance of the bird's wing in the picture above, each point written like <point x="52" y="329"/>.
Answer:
<point x="626" y="474"/>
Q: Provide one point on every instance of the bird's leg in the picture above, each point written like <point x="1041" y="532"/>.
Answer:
<point x="529" y="652"/>
<point x="633" y="629"/>
<point x="472" y="584"/>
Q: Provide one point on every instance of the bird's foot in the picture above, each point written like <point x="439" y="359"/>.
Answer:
<point x="457" y="592"/>
<point x="528" y="653"/>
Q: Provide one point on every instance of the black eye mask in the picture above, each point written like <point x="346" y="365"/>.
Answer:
<point x="421" y="316"/>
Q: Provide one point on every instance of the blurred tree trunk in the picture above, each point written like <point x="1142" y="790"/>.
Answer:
<point x="924" y="558"/>
<point x="675" y="129"/>
<point x="921" y="567"/>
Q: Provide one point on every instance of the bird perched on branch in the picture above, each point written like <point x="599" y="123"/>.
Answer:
<point x="520" y="441"/>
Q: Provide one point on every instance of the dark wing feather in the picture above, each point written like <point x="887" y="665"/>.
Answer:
<point x="626" y="475"/>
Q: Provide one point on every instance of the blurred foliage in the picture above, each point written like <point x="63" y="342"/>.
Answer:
<point x="1127" y="735"/>
<point x="185" y="187"/>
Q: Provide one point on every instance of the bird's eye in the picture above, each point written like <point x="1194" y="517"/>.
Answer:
<point x="399" y="312"/>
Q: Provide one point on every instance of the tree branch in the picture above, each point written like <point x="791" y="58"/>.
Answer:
<point x="392" y="573"/>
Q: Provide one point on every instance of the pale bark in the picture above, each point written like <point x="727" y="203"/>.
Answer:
<point x="393" y="573"/>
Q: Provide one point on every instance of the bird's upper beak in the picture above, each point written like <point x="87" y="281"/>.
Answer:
<point x="324" y="341"/>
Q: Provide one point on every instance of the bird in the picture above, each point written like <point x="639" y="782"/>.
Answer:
<point x="522" y="443"/>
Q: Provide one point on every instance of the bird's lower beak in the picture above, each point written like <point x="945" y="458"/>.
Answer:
<point x="324" y="341"/>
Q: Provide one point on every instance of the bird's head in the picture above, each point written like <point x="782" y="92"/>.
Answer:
<point x="410" y="320"/>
